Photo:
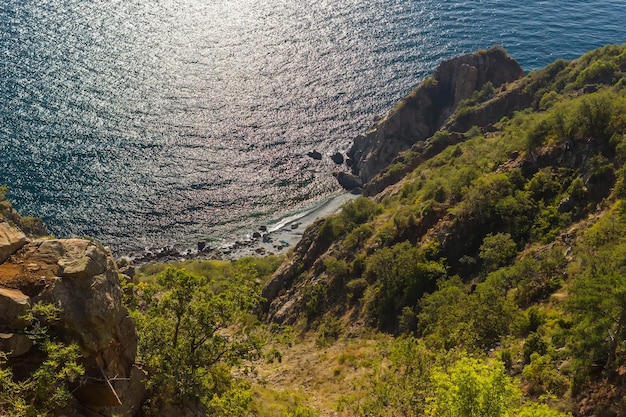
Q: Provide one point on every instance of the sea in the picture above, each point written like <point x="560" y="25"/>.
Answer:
<point x="153" y="123"/>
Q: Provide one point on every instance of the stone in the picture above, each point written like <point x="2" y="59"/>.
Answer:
<point x="82" y="259"/>
<point x="13" y="304"/>
<point x="11" y="240"/>
<point x="315" y="155"/>
<point x="337" y="158"/>
<point x="82" y="279"/>
<point x="256" y="235"/>
<point x="348" y="181"/>
<point x="129" y="271"/>
<point x="15" y="344"/>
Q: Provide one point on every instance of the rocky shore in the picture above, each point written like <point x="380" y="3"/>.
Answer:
<point x="266" y="240"/>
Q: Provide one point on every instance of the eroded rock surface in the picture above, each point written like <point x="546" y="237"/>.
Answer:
<point x="80" y="278"/>
<point x="11" y="240"/>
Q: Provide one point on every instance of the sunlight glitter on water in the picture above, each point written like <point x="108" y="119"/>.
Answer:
<point x="148" y="123"/>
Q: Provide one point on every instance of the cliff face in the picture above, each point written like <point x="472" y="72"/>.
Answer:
<point x="81" y="279"/>
<point x="423" y="111"/>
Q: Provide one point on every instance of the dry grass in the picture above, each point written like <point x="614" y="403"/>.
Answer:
<point x="315" y="377"/>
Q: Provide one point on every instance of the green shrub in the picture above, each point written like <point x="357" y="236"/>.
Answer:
<point x="598" y="72"/>
<point x="497" y="250"/>
<point x="534" y="344"/>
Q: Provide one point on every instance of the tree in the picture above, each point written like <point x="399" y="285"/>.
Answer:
<point x="190" y="332"/>
<point x="497" y="250"/>
<point x="598" y="304"/>
<point x="401" y="388"/>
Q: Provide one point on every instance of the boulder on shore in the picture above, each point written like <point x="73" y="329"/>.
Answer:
<point x="348" y="181"/>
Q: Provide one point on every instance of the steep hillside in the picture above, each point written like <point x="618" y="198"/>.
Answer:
<point x="483" y="273"/>
<point x="478" y="236"/>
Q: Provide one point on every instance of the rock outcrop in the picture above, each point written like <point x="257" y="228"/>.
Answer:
<point x="305" y="254"/>
<point x="81" y="279"/>
<point x="425" y="110"/>
<point x="11" y="240"/>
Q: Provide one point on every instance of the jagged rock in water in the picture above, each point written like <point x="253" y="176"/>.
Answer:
<point x="337" y="158"/>
<point x="423" y="111"/>
<point x="315" y="155"/>
<point x="348" y="181"/>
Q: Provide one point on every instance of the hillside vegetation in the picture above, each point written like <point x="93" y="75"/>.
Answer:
<point x="502" y="246"/>
<point x="484" y="274"/>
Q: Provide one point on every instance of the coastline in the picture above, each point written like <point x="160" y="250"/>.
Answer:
<point x="274" y="238"/>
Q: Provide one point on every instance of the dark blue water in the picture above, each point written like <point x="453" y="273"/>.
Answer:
<point x="153" y="122"/>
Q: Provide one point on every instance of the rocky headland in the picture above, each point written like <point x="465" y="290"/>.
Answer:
<point x="425" y="109"/>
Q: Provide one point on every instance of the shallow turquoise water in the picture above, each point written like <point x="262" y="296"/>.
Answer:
<point x="160" y="122"/>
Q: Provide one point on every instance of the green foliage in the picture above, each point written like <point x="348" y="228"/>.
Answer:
<point x="451" y="318"/>
<point x="597" y="72"/>
<point x="529" y="322"/>
<point x="497" y="250"/>
<point x="215" y="270"/>
<point x="534" y="344"/>
<point x="546" y="379"/>
<point x="548" y="99"/>
<point x="353" y="213"/>
<point x="315" y="296"/>
<point x="537" y="275"/>
<point x="235" y="402"/>
<point x="357" y="237"/>
<point x="540" y="410"/>
<point x="597" y="338"/>
<point x="336" y="267"/>
<point x="471" y="388"/>
<point x="442" y="319"/>
<point x="467" y="106"/>
<point x="401" y="275"/>
<point x="328" y="331"/>
<point x="46" y="389"/>
<point x="544" y="185"/>
<point x="190" y="332"/>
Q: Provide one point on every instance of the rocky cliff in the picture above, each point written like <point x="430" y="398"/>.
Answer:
<point x="566" y="137"/>
<point x="80" y="278"/>
<point x="424" y="110"/>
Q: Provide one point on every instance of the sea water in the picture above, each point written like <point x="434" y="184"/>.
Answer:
<point x="146" y="123"/>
